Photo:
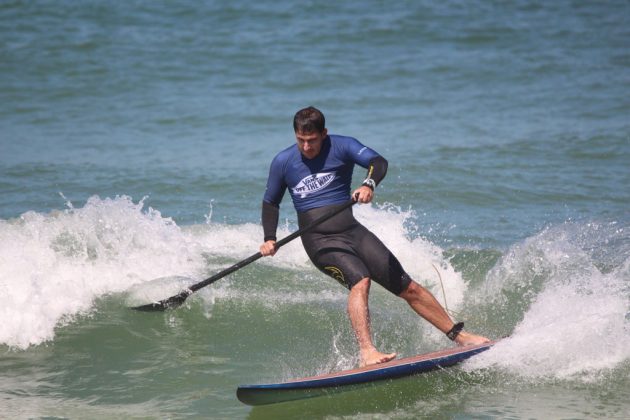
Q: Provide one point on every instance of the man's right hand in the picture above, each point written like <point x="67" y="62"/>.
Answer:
<point x="268" y="249"/>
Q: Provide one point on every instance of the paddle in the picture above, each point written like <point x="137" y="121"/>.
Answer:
<point x="177" y="300"/>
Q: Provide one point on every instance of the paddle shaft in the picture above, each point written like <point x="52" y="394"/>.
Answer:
<point x="177" y="300"/>
<point x="280" y="243"/>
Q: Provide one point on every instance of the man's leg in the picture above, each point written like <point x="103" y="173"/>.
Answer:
<point x="425" y="305"/>
<point x="360" y="320"/>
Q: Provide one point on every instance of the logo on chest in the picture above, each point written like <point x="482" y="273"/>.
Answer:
<point x="313" y="183"/>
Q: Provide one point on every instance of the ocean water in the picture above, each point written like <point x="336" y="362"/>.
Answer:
<point x="135" y="140"/>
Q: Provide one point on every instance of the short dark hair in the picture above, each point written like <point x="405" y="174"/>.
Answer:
<point x="309" y="120"/>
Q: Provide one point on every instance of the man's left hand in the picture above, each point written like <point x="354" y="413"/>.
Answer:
<point x="363" y="194"/>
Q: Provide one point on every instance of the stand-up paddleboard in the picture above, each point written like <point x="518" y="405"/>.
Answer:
<point x="315" y="386"/>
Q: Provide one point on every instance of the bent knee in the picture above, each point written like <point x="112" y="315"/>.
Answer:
<point x="363" y="284"/>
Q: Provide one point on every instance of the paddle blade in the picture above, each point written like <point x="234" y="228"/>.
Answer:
<point x="170" y="303"/>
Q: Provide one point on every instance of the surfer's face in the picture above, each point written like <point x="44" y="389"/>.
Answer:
<point x="310" y="144"/>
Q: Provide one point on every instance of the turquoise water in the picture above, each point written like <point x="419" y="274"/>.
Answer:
<point x="135" y="139"/>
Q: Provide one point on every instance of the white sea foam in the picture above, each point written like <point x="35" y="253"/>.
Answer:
<point x="422" y="259"/>
<point x="565" y="289"/>
<point x="575" y="321"/>
<point x="54" y="266"/>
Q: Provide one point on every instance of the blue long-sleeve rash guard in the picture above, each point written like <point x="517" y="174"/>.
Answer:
<point x="321" y="181"/>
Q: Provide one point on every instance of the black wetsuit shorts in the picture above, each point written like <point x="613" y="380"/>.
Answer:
<point x="344" y="249"/>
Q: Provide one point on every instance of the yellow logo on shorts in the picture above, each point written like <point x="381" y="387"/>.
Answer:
<point x="336" y="274"/>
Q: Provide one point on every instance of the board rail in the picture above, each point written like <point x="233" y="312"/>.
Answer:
<point x="313" y="386"/>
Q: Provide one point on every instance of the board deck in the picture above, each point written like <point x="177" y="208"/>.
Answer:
<point x="314" y="386"/>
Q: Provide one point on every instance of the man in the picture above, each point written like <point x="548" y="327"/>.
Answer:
<point x="317" y="170"/>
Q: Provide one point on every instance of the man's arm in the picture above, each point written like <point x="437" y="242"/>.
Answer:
<point x="271" y="207"/>
<point x="377" y="169"/>
<point x="270" y="216"/>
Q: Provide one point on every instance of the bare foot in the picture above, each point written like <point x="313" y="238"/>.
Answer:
<point x="375" y="357"/>
<point x="468" y="339"/>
